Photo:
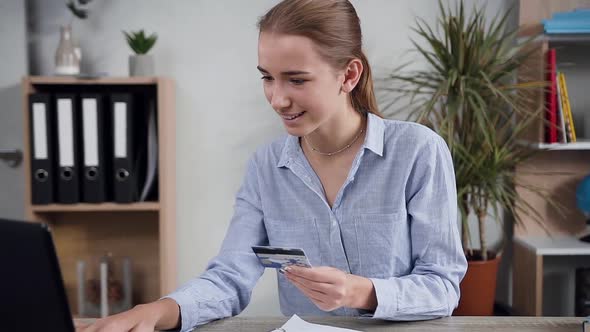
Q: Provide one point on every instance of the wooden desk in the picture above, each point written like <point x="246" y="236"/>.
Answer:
<point x="449" y="324"/>
<point x="527" y="274"/>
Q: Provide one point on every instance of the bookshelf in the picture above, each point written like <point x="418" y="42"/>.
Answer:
<point x="567" y="162"/>
<point x="557" y="168"/>
<point x="143" y="231"/>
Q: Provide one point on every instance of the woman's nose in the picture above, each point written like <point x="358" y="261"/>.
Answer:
<point x="279" y="100"/>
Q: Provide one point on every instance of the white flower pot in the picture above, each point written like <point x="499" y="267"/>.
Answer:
<point x="141" y="65"/>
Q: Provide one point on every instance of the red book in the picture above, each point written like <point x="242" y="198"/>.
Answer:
<point x="551" y="98"/>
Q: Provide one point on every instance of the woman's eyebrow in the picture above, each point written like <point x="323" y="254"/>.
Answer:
<point x="285" y="73"/>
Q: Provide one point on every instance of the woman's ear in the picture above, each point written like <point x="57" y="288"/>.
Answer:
<point x="352" y="75"/>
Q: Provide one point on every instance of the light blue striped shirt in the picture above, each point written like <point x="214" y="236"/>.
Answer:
<point x="393" y="221"/>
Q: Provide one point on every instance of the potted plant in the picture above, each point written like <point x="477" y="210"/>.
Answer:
<point x="140" y="64"/>
<point x="470" y="96"/>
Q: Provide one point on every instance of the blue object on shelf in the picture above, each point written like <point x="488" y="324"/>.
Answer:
<point x="583" y="196"/>
<point x="576" y="21"/>
<point x="576" y="13"/>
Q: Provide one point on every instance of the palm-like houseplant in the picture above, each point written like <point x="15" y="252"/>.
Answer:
<point x="470" y="96"/>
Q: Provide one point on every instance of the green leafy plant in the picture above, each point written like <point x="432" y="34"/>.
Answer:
<point x="470" y="96"/>
<point x="78" y="8"/>
<point x="139" y="42"/>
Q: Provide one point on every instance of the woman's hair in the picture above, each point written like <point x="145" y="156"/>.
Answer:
<point x="335" y="27"/>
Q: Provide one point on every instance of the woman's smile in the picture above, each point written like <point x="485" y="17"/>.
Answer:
<point x="291" y="117"/>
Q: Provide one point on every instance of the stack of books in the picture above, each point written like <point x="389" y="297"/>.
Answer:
<point x="571" y="22"/>
<point x="560" y="122"/>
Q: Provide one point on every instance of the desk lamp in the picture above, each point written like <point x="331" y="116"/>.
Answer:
<point x="583" y="202"/>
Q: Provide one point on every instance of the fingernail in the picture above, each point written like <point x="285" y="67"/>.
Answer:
<point x="287" y="269"/>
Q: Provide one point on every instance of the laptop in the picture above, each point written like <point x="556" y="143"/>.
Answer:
<point x="32" y="292"/>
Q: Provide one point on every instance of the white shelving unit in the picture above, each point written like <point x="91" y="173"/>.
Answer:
<point x="546" y="249"/>
<point x="538" y="261"/>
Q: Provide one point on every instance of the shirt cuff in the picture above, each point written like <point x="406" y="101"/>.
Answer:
<point x="189" y="313"/>
<point x="387" y="299"/>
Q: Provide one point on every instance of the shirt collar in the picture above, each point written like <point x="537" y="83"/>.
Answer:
<point x="289" y="151"/>
<point x="375" y="134"/>
<point x="373" y="140"/>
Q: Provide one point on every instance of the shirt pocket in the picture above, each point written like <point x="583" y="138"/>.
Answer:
<point x="383" y="242"/>
<point x="300" y="233"/>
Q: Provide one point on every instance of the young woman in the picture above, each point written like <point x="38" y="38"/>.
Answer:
<point x="371" y="201"/>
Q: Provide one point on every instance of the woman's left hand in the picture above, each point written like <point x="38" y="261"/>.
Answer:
<point x="327" y="287"/>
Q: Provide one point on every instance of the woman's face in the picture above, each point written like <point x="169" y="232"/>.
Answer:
<point x="302" y="88"/>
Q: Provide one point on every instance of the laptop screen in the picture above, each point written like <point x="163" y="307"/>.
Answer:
<point x="31" y="288"/>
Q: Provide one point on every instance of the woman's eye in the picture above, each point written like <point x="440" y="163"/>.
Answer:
<point x="298" y="82"/>
<point x="266" y="78"/>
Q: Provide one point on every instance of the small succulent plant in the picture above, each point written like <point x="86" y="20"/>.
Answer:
<point x="139" y="42"/>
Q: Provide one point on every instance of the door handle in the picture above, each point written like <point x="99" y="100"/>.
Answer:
<point x="12" y="157"/>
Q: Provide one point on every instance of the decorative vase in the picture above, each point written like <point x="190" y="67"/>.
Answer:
<point x="105" y="285"/>
<point x="141" y="65"/>
<point x="67" y="55"/>
<point x="478" y="288"/>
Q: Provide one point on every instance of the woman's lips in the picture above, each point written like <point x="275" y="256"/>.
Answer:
<point x="290" y="117"/>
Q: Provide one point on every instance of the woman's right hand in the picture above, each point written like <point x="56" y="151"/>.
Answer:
<point x="162" y="314"/>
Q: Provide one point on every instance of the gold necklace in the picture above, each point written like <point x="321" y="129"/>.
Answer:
<point x="335" y="152"/>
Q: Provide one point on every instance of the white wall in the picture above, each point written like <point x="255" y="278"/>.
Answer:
<point x="209" y="48"/>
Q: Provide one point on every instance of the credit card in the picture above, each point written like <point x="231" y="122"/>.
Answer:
<point x="279" y="258"/>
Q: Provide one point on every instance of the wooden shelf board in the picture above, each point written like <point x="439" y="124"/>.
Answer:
<point x="576" y="146"/>
<point x="143" y="80"/>
<point x="580" y="145"/>
<point x="84" y="207"/>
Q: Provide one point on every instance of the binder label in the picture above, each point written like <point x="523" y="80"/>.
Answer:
<point x="90" y="126"/>
<point x="39" y="131"/>
<point x="66" y="132"/>
<point x="120" y="130"/>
